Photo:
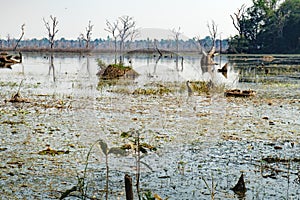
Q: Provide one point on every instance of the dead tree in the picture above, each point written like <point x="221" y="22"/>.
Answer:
<point x="198" y="43"/>
<point x="176" y="34"/>
<point x="208" y="58"/>
<point x="112" y="29"/>
<point x="213" y="30"/>
<point x="133" y="35"/>
<point x="87" y="36"/>
<point x="237" y="20"/>
<point x="79" y="41"/>
<point x="8" y="40"/>
<point x="52" y="29"/>
<point x="125" y="29"/>
<point x="22" y="28"/>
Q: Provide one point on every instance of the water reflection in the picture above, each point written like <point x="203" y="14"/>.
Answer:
<point x="151" y="68"/>
<point x="181" y="69"/>
<point x="51" y="67"/>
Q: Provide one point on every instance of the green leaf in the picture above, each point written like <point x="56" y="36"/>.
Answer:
<point x="117" y="151"/>
<point x="103" y="146"/>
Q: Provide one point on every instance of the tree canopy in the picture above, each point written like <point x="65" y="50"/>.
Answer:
<point x="268" y="26"/>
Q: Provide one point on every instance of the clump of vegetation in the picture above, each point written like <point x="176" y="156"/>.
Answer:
<point x="52" y="152"/>
<point x="149" y="196"/>
<point x="132" y="144"/>
<point x="106" y="83"/>
<point x="161" y="90"/>
<point x="142" y="148"/>
<point x="101" y="63"/>
<point x="200" y="86"/>
<point x="114" y="71"/>
<point x="121" y="66"/>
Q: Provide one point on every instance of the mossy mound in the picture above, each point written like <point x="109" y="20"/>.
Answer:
<point x="152" y="91"/>
<point x="116" y="71"/>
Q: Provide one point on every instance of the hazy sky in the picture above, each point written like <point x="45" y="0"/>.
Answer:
<point x="191" y="16"/>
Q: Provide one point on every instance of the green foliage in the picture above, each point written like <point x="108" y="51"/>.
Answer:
<point x="269" y="27"/>
<point x="152" y="91"/>
<point x="121" y="66"/>
<point x="101" y="63"/>
<point x="148" y="196"/>
<point x="103" y="146"/>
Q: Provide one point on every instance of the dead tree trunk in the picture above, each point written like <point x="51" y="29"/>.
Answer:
<point x="128" y="187"/>
<point x="51" y="30"/>
<point x="87" y="36"/>
<point x="22" y="28"/>
<point x="240" y="187"/>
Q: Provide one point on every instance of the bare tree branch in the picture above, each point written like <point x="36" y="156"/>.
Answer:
<point x="53" y="32"/>
<point x="133" y="35"/>
<point x="198" y="43"/>
<point x="213" y="30"/>
<point x="237" y="18"/>
<point x="125" y="30"/>
<point x="87" y="36"/>
<point x="176" y="34"/>
<point x="23" y="31"/>
<point x="112" y="29"/>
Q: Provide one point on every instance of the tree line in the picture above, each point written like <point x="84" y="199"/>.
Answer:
<point x="107" y="44"/>
<point x="122" y="37"/>
<point x="268" y="26"/>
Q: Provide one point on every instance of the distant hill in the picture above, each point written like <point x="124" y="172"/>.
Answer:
<point x="158" y="33"/>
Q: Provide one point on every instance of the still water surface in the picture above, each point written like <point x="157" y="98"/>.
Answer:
<point x="204" y="137"/>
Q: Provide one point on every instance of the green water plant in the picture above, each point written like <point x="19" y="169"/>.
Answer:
<point x="152" y="91"/>
<point x="106" y="151"/>
<point x="212" y="188"/>
<point x="82" y="185"/>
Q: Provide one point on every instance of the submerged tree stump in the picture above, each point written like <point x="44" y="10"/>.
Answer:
<point x="6" y="59"/>
<point x="240" y="187"/>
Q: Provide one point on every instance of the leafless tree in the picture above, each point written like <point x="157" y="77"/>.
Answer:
<point x="208" y="58"/>
<point x="52" y="29"/>
<point x="198" y="43"/>
<point x="22" y="34"/>
<point x="8" y="40"/>
<point x="80" y="41"/>
<point x="133" y="35"/>
<point x="125" y="29"/>
<point x="213" y="30"/>
<point x="237" y="19"/>
<point x="176" y="34"/>
<point x="87" y="36"/>
<point x="112" y="29"/>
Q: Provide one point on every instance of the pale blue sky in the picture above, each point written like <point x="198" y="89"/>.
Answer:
<point x="73" y="16"/>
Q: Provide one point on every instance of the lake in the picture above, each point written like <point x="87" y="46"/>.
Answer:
<point x="194" y="146"/>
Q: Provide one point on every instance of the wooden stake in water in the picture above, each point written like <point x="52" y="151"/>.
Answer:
<point x="128" y="187"/>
